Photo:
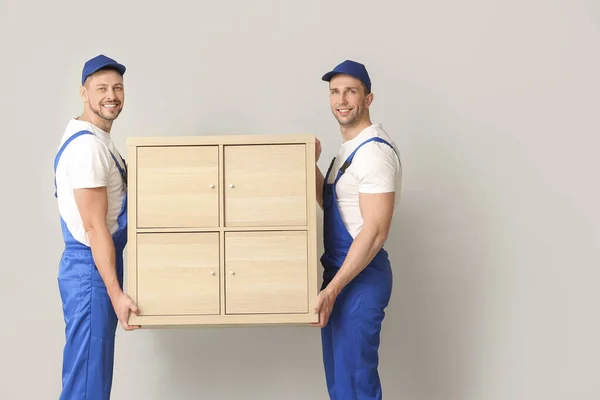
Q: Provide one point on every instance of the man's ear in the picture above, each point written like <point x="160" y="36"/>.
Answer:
<point x="83" y="93"/>
<point x="369" y="99"/>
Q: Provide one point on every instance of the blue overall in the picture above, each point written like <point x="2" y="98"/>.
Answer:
<point x="91" y="322"/>
<point x="351" y="338"/>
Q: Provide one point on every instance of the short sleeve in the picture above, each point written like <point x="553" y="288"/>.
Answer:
<point x="377" y="169"/>
<point x="89" y="164"/>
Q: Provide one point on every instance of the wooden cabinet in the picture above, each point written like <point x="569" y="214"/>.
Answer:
<point x="222" y="230"/>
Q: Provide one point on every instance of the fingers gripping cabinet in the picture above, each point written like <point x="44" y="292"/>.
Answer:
<point x="222" y="230"/>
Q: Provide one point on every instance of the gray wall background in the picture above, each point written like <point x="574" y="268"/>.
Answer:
<point x="495" y="248"/>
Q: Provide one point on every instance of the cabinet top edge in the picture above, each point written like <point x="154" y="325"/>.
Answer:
<point x="192" y="140"/>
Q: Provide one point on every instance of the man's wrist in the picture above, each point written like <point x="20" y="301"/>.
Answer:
<point x="114" y="289"/>
<point x="334" y="287"/>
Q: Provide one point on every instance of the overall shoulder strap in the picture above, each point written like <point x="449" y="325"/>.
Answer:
<point x="62" y="149"/>
<point x="348" y="161"/>
<point x="122" y="171"/>
<point x="66" y="143"/>
<point x="329" y="170"/>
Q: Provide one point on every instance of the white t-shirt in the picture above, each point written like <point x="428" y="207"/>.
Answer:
<point x="375" y="168"/>
<point x="87" y="163"/>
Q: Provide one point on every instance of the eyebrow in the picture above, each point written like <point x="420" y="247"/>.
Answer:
<point x="104" y="84"/>
<point x="347" y="87"/>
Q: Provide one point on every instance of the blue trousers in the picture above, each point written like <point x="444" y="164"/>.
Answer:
<point x="91" y="324"/>
<point x="351" y="338"/>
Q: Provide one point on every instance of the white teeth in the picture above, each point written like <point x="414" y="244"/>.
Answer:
<point x="110" y="105"/>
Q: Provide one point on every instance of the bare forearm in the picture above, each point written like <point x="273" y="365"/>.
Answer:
<point x="362" y="251"/>
<point x="320" y="181"/>
<point x="103" y="252"/>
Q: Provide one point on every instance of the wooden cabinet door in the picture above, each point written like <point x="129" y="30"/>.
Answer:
<point x="266" y="272"/>
<point x="178" y="273"/>
<point x="177" y="187"/>
<point x="265" y="185"/>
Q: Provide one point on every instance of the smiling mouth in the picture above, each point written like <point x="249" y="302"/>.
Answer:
<point x="344" y="110"/>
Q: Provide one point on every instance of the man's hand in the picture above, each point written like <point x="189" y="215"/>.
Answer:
<point x="324" y="306"/>
<point x="123" y="304"/>
<point x="317" y="149"/>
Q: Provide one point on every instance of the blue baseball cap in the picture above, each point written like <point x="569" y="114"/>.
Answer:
<point x="99" y="62"/>
<point x="351" y="68"/>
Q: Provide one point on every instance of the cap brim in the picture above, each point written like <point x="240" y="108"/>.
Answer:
<point x="327" y="77"/>
<point x="119" y="67"/>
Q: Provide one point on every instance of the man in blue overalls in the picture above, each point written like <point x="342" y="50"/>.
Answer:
<point x="91" y="191"/>
<point x="358" y="195"/>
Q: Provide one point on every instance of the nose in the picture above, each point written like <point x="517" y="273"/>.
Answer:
<point x="110" y="93"/>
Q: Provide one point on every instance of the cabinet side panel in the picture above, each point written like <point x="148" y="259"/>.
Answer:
<point x="311" y="210"/>
<point x="130" y="264"/>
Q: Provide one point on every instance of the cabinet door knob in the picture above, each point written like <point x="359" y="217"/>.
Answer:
<point x="231" y="185"/>
<point x="232" y="273"/>
<point x="212" y="272"/>
<point x="212" y="186"/>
